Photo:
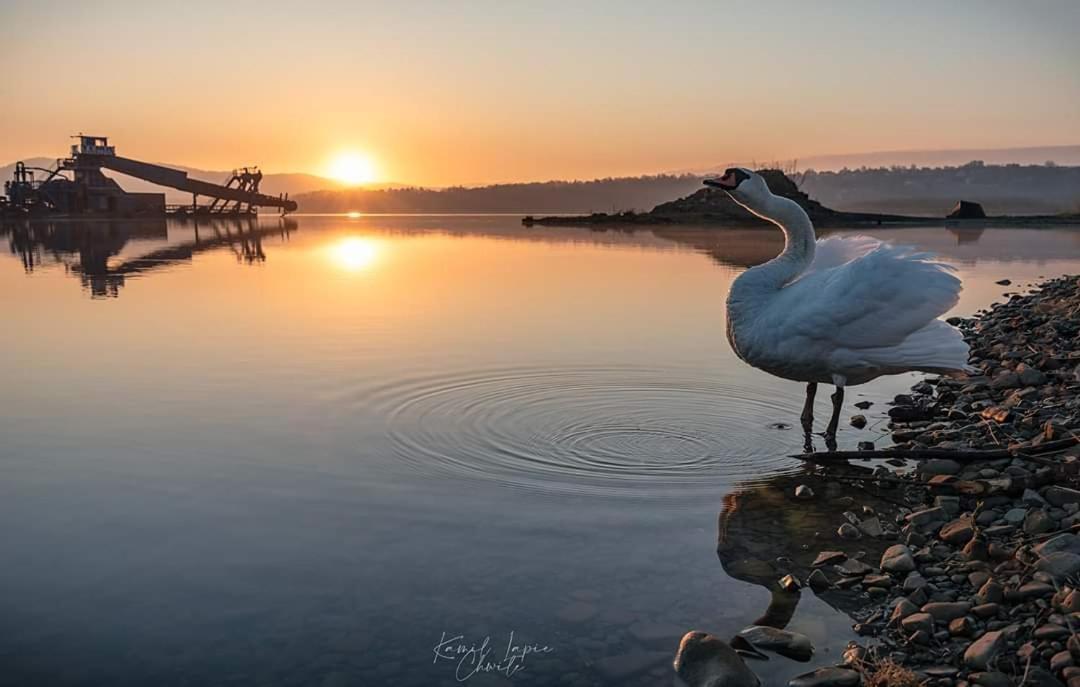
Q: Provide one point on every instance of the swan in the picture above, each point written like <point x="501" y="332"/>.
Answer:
<point x="840" y="311"/>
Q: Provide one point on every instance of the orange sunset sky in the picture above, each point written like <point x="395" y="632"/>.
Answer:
<point x="444" y="93"/>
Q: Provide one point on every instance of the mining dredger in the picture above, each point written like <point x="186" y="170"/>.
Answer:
<point x="77" y="187"/>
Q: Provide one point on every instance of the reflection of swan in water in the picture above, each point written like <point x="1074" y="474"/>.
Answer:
<point x="844" y="310"/>
<point x="764" y="533"/>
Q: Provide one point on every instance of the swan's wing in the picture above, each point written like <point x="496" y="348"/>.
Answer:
<point x="836" y="250"/>
<point x="876" y="299"/>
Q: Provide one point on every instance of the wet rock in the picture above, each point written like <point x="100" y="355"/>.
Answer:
<point x="961" y="627"/>
<point x="1034" y="590"/>
<point x="793" y="645"/>
<point x="1050" y="632"/>
<point x="957" y="532"/>
<point x="897" y="559"/>
<point x="854" y="567"/>
<point x="901" y="610"/>
<point x="1038" y="522"/>
<point x="991" y="679"/>
<point x="863" y="405"/>
<point x="984" y="650"/>
<point x="1040" y="677"/>
<point x="817" y="581"/>
<point x="986" y="610"/>
<point x="1006" y="380"/>
<point x="1062" y="542"/>
<point x="914" y="581"/>
<point x="828" y="558"/>
<point x="918" y="621"/>
<point x="882" y="581"/>
<point x="940" y="466"/>
<point x="944" y="611"/>
<point x="866" y="446"/>
<point x="1059" y="564"/>
<point x="848" y="531"/>
<point x="1029" y="376"/>
<point x="871" y="527"/>
<point x="858" y="421"/>
<point x="804" y="492"/>
<point x="1060" y="661"/>
<point x="1015" y="516"/>
<point x="927" y="517"/>
<point x="1060" y="496"/>
<point x="828" y="677"/>
<point x="703" y="660"/>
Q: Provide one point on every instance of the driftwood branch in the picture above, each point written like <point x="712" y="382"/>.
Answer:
<point x="928" y="453"/>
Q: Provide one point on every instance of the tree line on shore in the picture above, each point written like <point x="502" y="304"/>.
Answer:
<point x="1001" y="189"/>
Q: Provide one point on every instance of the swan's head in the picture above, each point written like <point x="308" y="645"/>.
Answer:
<point x="744" y="187"/>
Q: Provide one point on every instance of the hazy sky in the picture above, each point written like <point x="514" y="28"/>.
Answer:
<point x="440" y="93"/>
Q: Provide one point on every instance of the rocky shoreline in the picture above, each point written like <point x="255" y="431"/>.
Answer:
<point x="975" y="578"/>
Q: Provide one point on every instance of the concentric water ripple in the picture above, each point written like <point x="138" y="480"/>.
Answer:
<point x="649" y="432"/>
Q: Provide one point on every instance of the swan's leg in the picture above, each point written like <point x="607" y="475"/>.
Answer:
<point x="807" y="416"/>
<point x="830" y="431"/>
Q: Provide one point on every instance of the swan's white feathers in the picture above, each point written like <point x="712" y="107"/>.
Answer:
<point x="874" y="300"/>
<point x="862" y="309"/>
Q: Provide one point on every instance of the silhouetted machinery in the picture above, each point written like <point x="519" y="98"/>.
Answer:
<point x="89" y="192"/>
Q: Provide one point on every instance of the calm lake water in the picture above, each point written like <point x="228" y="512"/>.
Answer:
<point x="304" y="452"/>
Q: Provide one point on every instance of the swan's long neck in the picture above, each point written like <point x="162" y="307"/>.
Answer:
<point x="760" y="282"/>
<point x="798" y="243"/>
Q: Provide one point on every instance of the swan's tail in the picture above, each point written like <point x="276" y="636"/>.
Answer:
<point x="938" y="348"/>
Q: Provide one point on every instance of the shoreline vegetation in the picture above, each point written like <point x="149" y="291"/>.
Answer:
<point x="969" y="576"/>
<point x="920" y="192"/>
<point x="709" y="206"/>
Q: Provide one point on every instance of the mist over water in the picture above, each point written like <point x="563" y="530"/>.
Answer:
<point x="298" y="452"/>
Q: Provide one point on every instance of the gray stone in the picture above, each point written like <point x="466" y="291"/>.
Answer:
<point x="1015" y="516"/>
<point x="858" y="421"/>
<point x="1050" y="632"/>
<point x="1038" y="522"/>
<point x="854" y="567"/>
<point x="1060" y="496"/>
<point x="1029" y="376"/>
<point x="928" y="516"/>
<point x="981" y="653"/>
<point x="817" y="581"/>
<point x="848" y="531"/>
<point x="914" y="581"/>
<point x="702" y="660"/>
<point x="897" y="559"/>
<point x="828" y="558"/>
<point x="991" y="679"/>
<point x="828" y="677"/>
<point x="1032" y="498"/>
<point x="958" y="532"/>
<point x="1062" y="542"/>
<point x="918" y="621"/>
<point x="901" y="610"/>
<point x="944" y="611"/>
<point x="871" y="527"/>
<point x="804" y="492"/>
<point x="793" y="645"/>
<point x="940" y="466"/>
<point x="1059" y="564"/>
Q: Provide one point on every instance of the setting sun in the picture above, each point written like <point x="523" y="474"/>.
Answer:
<point x="352" y="169"/>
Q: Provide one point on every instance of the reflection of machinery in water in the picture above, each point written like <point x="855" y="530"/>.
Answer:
<point x="77" y="187"/>
<point x="765" y="533"/>
<point x="85" y="248"/>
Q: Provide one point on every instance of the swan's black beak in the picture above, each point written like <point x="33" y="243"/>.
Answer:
<point x="730" y="181"/>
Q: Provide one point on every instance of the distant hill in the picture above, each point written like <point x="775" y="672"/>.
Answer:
<point x="549" y="196"/>
<point x="1001" y="189"/>
<point x="927" y="191"/>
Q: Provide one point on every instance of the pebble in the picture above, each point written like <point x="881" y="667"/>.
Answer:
<point x="828" y="677"/>
<point x="984" y="650"/>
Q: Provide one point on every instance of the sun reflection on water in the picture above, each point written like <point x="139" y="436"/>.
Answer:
<point x="355" y="253"/>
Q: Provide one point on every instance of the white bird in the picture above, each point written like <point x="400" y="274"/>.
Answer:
<point x="842" y="310"/>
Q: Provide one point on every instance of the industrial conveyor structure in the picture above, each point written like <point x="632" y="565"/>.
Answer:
<point x="89" y="192"/>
